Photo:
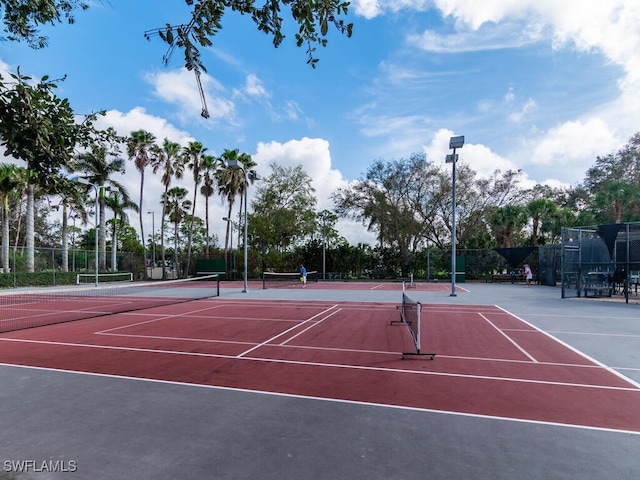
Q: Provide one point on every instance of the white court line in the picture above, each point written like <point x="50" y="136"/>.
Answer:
<point x="315" y="324"/>
<point x="270" y="340"/>
<point x="157" y="319"/>
<point x="325" y="364"/>
<point x="515" y="344"/>
<point x="327" y="399"/>
<point x="575" y="350"/>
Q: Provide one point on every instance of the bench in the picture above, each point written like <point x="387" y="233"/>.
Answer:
<point x="502" y="277"/>
<point x="598" y="291"/>
<point x="512" y="278"/>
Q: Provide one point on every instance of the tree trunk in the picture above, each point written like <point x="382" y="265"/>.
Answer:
<point x="5" y="235"/>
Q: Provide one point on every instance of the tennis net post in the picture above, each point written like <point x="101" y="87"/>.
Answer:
<point x="410" y="316"/>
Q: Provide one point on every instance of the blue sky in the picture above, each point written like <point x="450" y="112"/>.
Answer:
<point x="541" y="86"/>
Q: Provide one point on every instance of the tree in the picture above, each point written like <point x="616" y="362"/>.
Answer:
<point x="118" y="202"/>
<point x="193" y="158"/>
<point x="170" y="162"/>
<point x="177" y="207"/>
<point x="98" y="169"/>
<point x="613" y="195"/>
<point x="389" y="198"/>
<point x="9" y="182"/>
<point x="540" y="210"/>
<point x="231" y="183"/>
<point x="313" y="19"/>
<point x="284" y="213"/>
<point x="40" y="128"/>
<point x="210" y="166"/>
<point x="139" y="147"/>
<point x="21" y="18"/>
<point x="506" y="222"/>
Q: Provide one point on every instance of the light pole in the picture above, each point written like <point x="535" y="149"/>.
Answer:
<point x="232" y="256"/>
<point x="153" y="233"/>
<point x="323" y="217"/>
<point x="454" y="142"/>
<point x="237" y="165"/>
<point x="84" y="181"/>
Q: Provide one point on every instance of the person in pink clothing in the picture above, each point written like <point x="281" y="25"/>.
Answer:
<point x="527" y="274"/>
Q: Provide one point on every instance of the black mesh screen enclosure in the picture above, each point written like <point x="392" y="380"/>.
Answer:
<point x="600" y="260"/>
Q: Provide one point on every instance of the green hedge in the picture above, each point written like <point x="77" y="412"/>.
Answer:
<point x="38" y="279"/>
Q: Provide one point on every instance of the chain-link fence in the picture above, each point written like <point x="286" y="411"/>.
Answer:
<point x="601" y="260"/>
<point x="53" y="266"/>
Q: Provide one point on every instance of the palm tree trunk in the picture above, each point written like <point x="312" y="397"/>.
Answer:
<point x="5" y="234"/>
<point x="190" y="238"/>
<point x="162" y="252"/>
<point x="102" y="236"/>
<point x="144" y="245"/>
<point x="114" y="245"/>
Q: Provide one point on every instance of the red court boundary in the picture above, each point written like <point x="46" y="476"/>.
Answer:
<point x="488" y="361"/>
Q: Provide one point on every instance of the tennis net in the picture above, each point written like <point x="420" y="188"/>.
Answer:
<point x="410" y="316"/>
<point x="47" y="306"/>
<point x="286" y="279"/>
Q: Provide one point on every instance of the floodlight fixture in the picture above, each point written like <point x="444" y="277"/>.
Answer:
<point x="456" y="142"/>
<point x="449" y="158"/>
<point x="235" y="165"/>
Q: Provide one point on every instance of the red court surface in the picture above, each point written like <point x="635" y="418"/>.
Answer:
<point x="488" y="362"/>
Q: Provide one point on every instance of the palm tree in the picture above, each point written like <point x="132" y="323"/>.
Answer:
<point x="231" y="183"/>
<point x="177" y="207"/>
<point x="507" y="221"/>
<point x="98" y="170"/>
<point x="540" y="210"/>
<point x="615" y="193"/>
<point x="193" y="155"/>
<point x="118" y="202"/>
<point x="9" y="181"/>
<point x="210" y="166"/>
<point x="168" y="160"/>
<point x="139" y="145"/>
<point x="72" y="199"/>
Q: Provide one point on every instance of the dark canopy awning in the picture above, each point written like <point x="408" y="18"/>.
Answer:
<point x="515" y="256"/>
<point x="608" y="233"/>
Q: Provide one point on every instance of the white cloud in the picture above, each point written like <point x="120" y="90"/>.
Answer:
<point x="479" y="157"/>
<point x="255" y="88"/>
<point x="572" y="144"/>
<point x="314" y="155"/>
<point x="528" y="106"/>
<point x="178" y="87"/>
<point x="373" y="8"/>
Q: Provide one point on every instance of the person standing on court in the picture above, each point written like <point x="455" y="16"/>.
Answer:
<point x="527" y="274"/>
<point x="303" y="275"/>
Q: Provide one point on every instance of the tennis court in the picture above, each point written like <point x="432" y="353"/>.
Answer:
<point x="311" y="383"/>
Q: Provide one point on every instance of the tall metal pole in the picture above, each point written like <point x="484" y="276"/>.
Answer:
<point x="323" y="216"/>
<point x="97" y="189"/>
<point x="454" y="142"/>
<point x="246" y="187"/>
<point x="453" y="228"/>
